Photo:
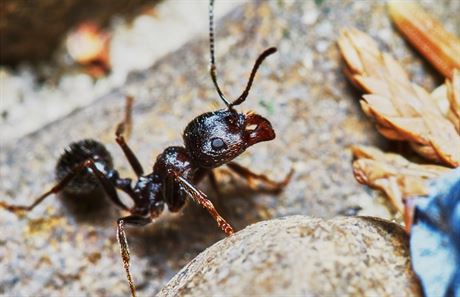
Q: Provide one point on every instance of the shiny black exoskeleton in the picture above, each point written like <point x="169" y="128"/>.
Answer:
<point x="211" y="140"/>
<point x="76" y="153"/>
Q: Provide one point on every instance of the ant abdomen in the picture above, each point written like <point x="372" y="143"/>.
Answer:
<point x="75" y="154"/>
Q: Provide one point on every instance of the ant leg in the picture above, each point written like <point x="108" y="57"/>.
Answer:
<point x="123" y="242"/>
<point x="201" y="198"/>
<point x="251" y="177"/>
<point x="58" y="187"/>
<point x="125" y="128"/>
<point x="214" y="184"/>
<point x="132" y="159"/>
<point x="61" y="185"/>
<point x="202" y="173"/>
<point x="106" y="184"/>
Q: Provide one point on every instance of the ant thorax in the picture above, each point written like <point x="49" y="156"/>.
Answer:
<point x="173" y="160"/>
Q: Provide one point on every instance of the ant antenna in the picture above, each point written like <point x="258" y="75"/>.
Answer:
<point x="211" y="49"/>
<point x="259" y="61"/>
<point x="213" y="68"/>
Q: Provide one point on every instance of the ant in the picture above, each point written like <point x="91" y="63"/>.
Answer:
<point x="211" y="140"/>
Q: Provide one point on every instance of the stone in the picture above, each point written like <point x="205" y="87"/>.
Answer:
<point x="303" y="256"/>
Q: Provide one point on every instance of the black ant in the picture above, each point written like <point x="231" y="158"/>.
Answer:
<point x="211" y="140"/>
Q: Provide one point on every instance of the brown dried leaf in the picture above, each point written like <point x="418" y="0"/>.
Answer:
<point x="447" y="96"/>
<point x="402" y="109"/>
<point x="453" y="95"/>
<point x="397" y="177"/>
<point x="427" y="35"/>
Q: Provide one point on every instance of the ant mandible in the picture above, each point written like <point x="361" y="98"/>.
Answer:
<point x="212" y="139"/>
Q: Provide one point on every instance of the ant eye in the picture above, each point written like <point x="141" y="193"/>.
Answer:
<point x="217" y="144"/>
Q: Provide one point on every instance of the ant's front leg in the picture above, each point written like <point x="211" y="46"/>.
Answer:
<point x="201" y="198"/>
<point x="124" y="128"/>
<point x="123" y="242"/>
<point x="251" y="177"/>
<point x="202" y="173"/>
<point x="214" y="184"/>
<point x="108" y="187"/>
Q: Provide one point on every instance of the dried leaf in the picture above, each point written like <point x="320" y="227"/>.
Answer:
<point x="427" y="35"/>
<point x="447" y="96"/>
<point x="401" y="109"/>
<point x="453" y="95"/>
<point x="397" y="177"/>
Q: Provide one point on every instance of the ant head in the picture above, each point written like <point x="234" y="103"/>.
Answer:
<point x="215" y="138"/>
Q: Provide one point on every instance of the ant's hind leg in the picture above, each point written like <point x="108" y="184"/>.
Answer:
<point x="123" y="242"/>
<point x="251" y="177"/>
<point x="124" y="129"/>
<point x="55" y="189"/>
<point x="109" y="189"/>
<point x="201" y="198"/>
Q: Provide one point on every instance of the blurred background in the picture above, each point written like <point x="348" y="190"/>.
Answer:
<point x="60" y="55"/>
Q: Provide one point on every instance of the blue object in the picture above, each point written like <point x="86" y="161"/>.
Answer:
<point x="435" y="237"/>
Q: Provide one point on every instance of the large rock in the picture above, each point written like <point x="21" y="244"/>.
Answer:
<point x="304" y="256"/>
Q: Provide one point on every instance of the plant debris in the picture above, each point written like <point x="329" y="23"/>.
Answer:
<point x="391" y="173"/>
<point x="453" y="95"/>
<point x="402" y="110"/>
<point x="427" y="35"/>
